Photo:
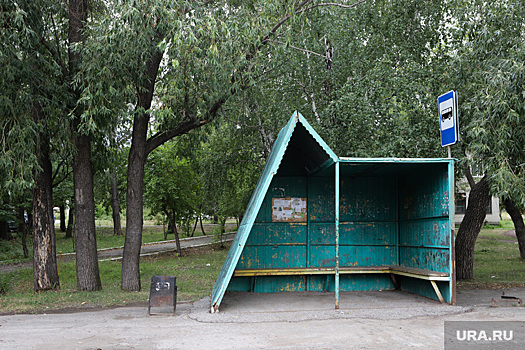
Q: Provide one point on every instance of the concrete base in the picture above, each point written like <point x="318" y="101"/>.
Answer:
<point x="301" y="306"/>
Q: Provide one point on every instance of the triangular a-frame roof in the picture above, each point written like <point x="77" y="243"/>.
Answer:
<point x="318" y="157"/>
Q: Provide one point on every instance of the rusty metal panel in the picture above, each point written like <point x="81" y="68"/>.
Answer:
<point x="350" y="283"/>
<point x="320" y="283"/>
<point x="274" y="234"/>
<point x="273" y="256"/>
<point x="275" y="284"/>
<point x="321" y="234"/>
<point x="281" y="187"/>
<point x="321" y="256"/>
<point x="425" y="194"/>
<point x="240" y="284"/>
<point x="424" y="288"/>
<point x="434" y="259"/>
<point x="366" y="282"/>
<point x="324" y="255"/>
<point x="368" y="199"/>
<point x="425" y="232"/>
<point x="369" y="233"/>
<point x="321" y="198"/>
<point x="367" y="255"/>
<point x="360" y="233"/>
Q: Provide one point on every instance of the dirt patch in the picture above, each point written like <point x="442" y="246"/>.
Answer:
<point x="511" y="233"/>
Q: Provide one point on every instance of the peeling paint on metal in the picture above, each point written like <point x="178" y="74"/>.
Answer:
<point x="392" y="213"/>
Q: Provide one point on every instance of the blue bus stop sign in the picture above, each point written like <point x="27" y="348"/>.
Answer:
<point x="448" y="118"/>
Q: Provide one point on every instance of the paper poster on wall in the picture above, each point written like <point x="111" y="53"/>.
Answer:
<point x="289" y="209"/>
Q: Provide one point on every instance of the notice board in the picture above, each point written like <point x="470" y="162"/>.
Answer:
<point x="289" y="209"/>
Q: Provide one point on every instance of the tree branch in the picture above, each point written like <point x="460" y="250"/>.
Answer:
<point x="275" y="27"/>
<point x="297" y="48"/>
<point x="188" y="125"/>
<point x="331" y="4"/>
<point x="470" y="178"/>
<point x="164" y="136"/>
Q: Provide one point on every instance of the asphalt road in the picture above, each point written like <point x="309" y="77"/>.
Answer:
<point x="367" y="320"/>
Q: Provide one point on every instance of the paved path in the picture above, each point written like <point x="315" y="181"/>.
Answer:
<point x="146" y="249"/>
<point x="367" y="320"/>
<point x="161" y="247"/>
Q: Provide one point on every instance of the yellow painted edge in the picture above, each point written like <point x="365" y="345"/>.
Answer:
<point x="329" y="271"/>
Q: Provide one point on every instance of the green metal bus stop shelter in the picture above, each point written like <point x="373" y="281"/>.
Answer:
<point x="318" y="222"/>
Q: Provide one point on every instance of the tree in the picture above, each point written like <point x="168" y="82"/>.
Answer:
<point x="171" y="187"/>
<point x="42" y="58"/>
<point x="488" y="39"/>
<point x="229" y="163"/>
<point x="470" y="226"/>
<point x="31" y="115"/>
<point x="519" y="226"/>
<point x="88" y="275"/>
<point x="213" y="51"/>
<point x="377" y="95"/>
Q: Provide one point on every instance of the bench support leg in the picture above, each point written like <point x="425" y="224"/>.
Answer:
<point x="394" y="280"/>
<point x="436" y="289"/>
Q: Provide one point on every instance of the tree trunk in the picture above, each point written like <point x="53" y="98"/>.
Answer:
<point x="134" y="209"/>
<point x="45" y="273"/>
<point x="222" y="230"/>
<point x="195" y="226"/>
<point x="62" y="218"/>
<point x="177" y="241"/>
<point x="471" y="225"/>
<point x="223" y="225"/>
<point x="202" y="226"/>
<point x="70" y="218"/>
<point x="22" y="227"/>
<point x="4" y="231"/>
<point x="115" y="203"/>
<point x="136" y="162"/>
<point x="88" y="275"/>
<point x="519" y="226"/>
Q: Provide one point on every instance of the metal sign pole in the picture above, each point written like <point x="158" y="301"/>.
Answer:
<point x="337" y="235"/>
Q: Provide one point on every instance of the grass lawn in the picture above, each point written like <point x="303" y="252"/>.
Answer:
<point x="497" y="262"/>
<point x="11" y="251"/>
<point x="196" y="273"/>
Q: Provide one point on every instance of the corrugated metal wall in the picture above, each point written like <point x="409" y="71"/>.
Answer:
<point x="386" y="218"/>
<point x="392" y="212"/>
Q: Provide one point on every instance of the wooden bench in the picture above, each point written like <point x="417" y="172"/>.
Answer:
<point x="393" y="270"/>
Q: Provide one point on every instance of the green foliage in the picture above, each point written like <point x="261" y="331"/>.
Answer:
<point x="170" y="185"/>
<point x="490" y="59"/>
<point x="377" y="96"/>
<point x="33" y="40"/>
<point x="229" y="166"/>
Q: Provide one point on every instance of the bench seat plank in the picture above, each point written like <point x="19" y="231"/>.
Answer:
<point x="398" y="270"/>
